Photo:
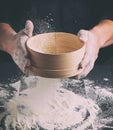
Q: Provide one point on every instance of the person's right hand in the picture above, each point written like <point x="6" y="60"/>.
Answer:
<point x="91" y="52"/>
<point x="20" y="54"/>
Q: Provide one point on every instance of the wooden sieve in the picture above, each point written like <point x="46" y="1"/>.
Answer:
<point x="55" y="54"/>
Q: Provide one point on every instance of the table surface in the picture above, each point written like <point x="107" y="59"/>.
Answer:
<point x="98" y="86"/>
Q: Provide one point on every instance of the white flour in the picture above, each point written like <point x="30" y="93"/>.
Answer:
<point x="49" y="106"/>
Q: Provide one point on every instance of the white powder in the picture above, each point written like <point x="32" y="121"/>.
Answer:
<point x="49" y="106"/>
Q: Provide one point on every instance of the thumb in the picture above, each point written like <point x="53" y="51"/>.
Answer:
<point x="28" y="28"/>
<point x="83" y="35"/>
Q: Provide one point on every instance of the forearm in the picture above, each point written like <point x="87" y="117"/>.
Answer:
<point x="104" y="33"/>
<point x="6" y="38"/>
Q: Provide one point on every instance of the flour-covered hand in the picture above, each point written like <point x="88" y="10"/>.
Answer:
<point x="91" y="52"/>
<point x="20" y="55"/>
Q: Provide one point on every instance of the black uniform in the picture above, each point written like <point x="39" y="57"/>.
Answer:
<point x="51" y="15"/>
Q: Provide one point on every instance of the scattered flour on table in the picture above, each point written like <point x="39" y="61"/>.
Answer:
<point x="47" y="105"/>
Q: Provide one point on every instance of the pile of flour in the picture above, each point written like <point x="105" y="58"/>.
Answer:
<point x="43" y="103"/>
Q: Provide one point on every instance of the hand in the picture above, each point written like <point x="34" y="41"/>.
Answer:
<point x="91" y="53"/>
<point x="20" y="55"/>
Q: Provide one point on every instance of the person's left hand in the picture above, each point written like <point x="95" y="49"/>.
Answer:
<point x="91" y="52"/>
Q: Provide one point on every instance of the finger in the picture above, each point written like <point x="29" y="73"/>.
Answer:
<point x="25" y="63"/>
<point x="86" y="70"/>
<point x="83" y="35"/>
<point x="87" y="57"/>
<point x="29" y="28"/>
<point x="28" y="70"/>
<point x="22" y="46"/>
<point x="28" y="63"/>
